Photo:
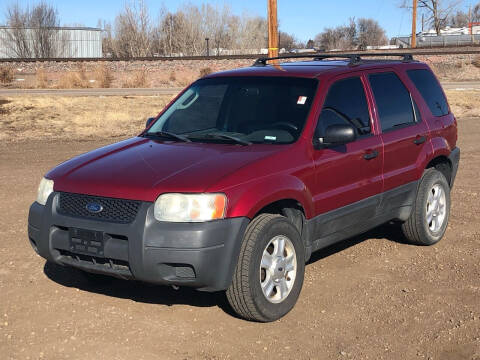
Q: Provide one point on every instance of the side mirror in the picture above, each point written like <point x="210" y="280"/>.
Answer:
<point x="149" y="121"/>
<point x="339" y="134"/>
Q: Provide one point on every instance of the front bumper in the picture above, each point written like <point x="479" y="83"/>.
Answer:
<point x="200" y="255"/>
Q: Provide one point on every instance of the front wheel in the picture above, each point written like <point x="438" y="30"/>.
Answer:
<point x="429" y="218"/>
<point x="270" y="270"/>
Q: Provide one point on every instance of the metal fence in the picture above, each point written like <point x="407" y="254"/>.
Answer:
<point x="439" y="41"/>
<point x="66" y="42"/>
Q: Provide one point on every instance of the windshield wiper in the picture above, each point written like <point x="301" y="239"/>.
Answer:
<point x="228" y="137"/>
<point x="167" y="134"/>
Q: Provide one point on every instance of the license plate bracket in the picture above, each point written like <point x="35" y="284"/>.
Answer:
<point x="87" y="242"/>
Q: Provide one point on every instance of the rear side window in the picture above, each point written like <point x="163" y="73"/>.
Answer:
<point x="393" y="101"/>
<point x="345" y="104"/>
<point x="431" y="92"/>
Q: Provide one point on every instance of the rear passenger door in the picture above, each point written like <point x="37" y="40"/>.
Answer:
<point x="403" y="133"/>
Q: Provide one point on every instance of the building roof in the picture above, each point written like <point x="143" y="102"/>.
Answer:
<point x="57" y="28"/>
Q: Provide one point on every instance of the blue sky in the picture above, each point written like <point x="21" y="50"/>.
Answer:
<point x="303" y="18"/>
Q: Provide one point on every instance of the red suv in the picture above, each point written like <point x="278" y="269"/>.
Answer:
<point x="247" y="172"/>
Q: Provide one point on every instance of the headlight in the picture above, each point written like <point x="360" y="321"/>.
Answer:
<point x="190" y="207"/>
<point x="44" y="190"/>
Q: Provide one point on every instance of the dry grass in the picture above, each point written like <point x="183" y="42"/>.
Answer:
<point x="103" y="76"/>
<point x="464" y="103"/>
<point x="74" y="79"/>
<point x="43" y="117"/>
<point x="458" y="71"/>
<point x="138" y="79"/>
<point x="205" y="71"/>
<point x="41" y="79"/>
<point x="7" y="74"/>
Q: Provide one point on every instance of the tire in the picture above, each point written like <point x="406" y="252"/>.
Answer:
<point x="265" y="234"/>
<point x="97" y="279"/>
<point x="427" y="222"/>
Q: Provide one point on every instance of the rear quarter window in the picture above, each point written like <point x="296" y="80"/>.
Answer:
<point x="430" y="90"/>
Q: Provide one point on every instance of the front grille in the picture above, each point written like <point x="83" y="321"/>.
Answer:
<point x="114" y="210"/>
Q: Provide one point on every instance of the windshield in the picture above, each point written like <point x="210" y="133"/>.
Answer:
<point x="243" y="110"/>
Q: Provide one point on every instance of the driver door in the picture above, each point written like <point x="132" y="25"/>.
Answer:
<point x="347" y="176"/>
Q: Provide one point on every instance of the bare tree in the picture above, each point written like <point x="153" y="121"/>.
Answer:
<point x="370" y="33"/>
<point x="358" y="34"/>
<point x="183" y="32"/>
<point x="459" y="19"/>
<point x="17" y="40"/>
<point x="475" y="15"/>
<point x="340" y="38"/>
<point x="288" y="41"/>
<point x="33" y="31"/>
<point x="437" y="11"/>
<point x="133" y="30"/>
<point x="43" y="20"/>
<point x="219" y="25"/>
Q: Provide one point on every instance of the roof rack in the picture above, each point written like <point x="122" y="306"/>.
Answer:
<point x="355" y="59"/>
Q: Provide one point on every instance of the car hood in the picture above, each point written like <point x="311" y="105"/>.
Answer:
<point x="141" y="168"/>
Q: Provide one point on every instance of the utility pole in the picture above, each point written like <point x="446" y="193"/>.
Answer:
<point x="470" y="25"/>
<point x="208" y="47"/>
<point x="414" y="25"/>
<point x="272" y="29"/>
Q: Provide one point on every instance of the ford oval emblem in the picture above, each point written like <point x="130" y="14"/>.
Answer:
<point x="94" y="207"/>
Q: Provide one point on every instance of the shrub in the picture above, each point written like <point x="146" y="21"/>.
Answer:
<point x="74" y="79"/>
<point x="137" y="80"/>
<point x="205" y="71"/>
<point x="476" y="62"/>
<point x="7" y="74"/>
<point x="103" y="76"/>
<point x="41" y="79"/>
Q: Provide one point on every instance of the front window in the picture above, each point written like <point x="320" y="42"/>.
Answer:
<point x="244" y="110"/>
<point x="345" y="103"/>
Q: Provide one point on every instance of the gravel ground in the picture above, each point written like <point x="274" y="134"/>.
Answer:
<point x="370" y="297"/>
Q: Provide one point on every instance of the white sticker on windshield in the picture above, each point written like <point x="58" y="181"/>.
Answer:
<point x="302" y="100"/>
<point x="271" y="138"/>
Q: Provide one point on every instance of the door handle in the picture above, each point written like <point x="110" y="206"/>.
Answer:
<point x="419" y="140"/>
<point x="370" y="155"/>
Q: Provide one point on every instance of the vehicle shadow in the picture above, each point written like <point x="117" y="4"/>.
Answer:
<point x="135" y="290"/>
<point x="387" y="231"/>
<point x="164" y="295"/>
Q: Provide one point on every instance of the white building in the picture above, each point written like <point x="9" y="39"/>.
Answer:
<point x="67" y="42"/>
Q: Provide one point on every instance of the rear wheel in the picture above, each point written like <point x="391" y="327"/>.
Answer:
<point x="429" y="218"/>
<point x="270" y="270"/>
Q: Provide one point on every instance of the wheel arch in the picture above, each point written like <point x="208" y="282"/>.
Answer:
<point x="442" y="164"/>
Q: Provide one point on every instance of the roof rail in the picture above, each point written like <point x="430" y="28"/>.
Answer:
<point x="355" y="59"/>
